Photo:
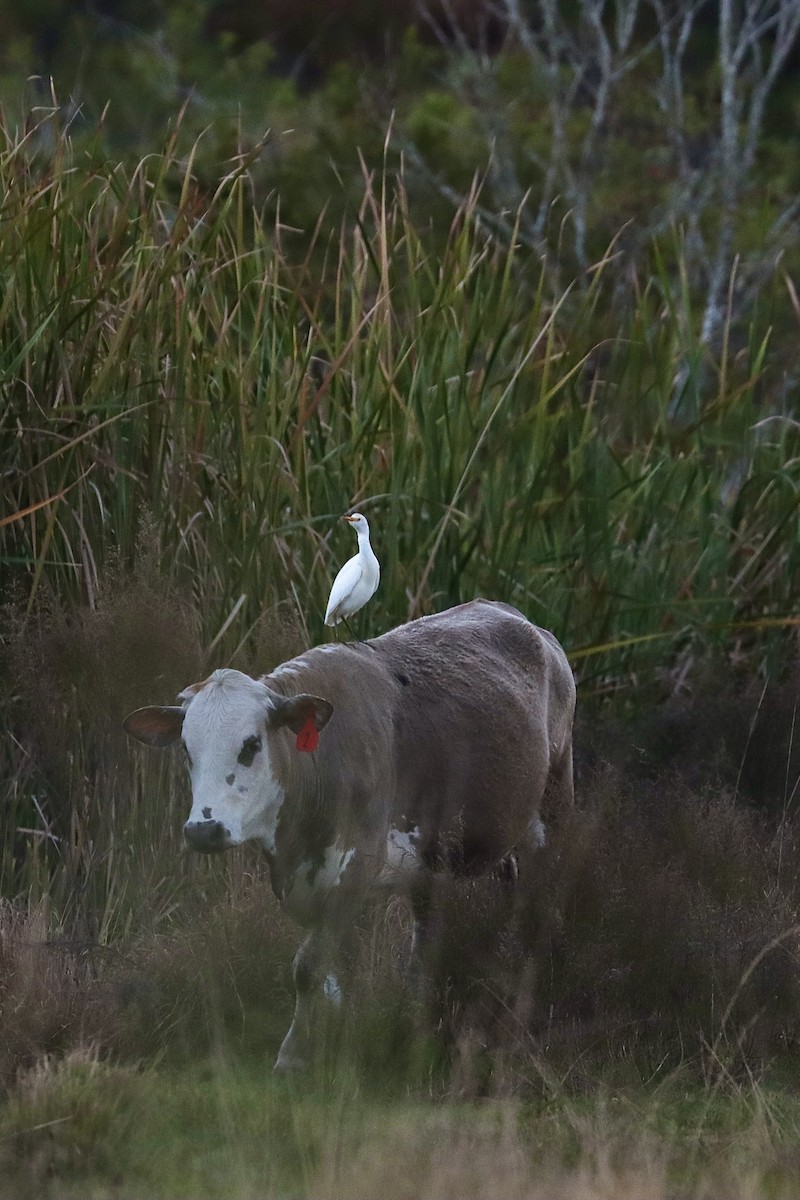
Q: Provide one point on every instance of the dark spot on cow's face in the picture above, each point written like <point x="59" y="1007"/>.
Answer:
<point x="241" y="788"/>
<point x="230" y="778"/>
<point x="402" y="678"/>
<point x="250" y="748"/>
<point x="207" y="814"/>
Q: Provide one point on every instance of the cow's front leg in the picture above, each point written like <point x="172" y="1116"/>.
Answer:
<point x="426" y="934"/>
<point x="316" y="983"/>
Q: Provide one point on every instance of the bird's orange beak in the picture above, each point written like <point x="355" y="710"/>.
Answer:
<point x="348" y="518"/>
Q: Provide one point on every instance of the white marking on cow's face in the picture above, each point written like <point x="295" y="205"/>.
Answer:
<point x="311" y="884"/>
<point x="225" y="735"/>
<point x="402" y="860"/>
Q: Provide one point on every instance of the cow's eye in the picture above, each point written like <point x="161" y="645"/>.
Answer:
<point x="250" y="748"/>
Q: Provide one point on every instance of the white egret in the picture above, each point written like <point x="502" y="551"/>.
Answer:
<point x="357" y="581"/>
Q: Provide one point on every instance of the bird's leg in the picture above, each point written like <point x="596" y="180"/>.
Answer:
<point x="357" y="641"/>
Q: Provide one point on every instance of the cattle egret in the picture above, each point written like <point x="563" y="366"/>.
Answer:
<point x="358" y="580"/>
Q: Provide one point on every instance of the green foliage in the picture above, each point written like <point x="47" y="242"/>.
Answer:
<point x="439" y="125"/>
<point x="328" y="85"/>
<point x="185" y="359"/>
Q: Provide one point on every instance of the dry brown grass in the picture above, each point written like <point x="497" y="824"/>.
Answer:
<point x="68" y="1116"/>
<point x="43" y="990"/>
<point x="220" y="977"/>
<point x="606" y="1151"/>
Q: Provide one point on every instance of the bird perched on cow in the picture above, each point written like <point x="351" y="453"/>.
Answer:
<point x="357" y="581"/>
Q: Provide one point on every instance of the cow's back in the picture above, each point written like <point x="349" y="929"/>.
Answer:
<point x="485" y="713"/>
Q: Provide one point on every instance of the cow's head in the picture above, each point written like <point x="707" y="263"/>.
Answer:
<point x="226" y="725"/>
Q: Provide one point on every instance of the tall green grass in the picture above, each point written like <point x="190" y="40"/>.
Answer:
<point x="171" y="353"/>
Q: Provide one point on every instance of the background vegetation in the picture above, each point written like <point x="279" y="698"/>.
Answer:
<point x="493" y="322"/>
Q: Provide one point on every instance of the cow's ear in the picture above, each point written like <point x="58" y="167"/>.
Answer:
<point x="296" y="711"/>
<point x="156" y="725"/>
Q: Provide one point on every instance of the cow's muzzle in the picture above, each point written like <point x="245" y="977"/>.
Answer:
<point x="208" y="837"/>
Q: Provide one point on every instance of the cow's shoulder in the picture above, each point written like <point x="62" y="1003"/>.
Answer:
<point x="352" y="763"/>
<point x="329" y="670"/>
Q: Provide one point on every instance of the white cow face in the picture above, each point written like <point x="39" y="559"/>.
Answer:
<point x="225" y="724"/>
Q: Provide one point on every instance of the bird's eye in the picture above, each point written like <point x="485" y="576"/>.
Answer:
<point x="250" y="748"/>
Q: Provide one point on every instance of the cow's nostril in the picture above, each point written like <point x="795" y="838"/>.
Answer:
<point x="205" y="836"/>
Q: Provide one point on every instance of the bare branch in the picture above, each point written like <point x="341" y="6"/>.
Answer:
<point x="580" y="61"/>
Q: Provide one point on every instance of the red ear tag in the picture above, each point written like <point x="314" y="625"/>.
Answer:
<point x="308" y="737"/>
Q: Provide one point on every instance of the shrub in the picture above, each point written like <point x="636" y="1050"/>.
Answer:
<point x="66" y="1117"/>
<point x="44" y="984"/>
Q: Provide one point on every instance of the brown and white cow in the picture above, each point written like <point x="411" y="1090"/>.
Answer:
<point x="376" y="765"/>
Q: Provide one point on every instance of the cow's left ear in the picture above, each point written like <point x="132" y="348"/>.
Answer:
<point x="296" y="711"/>
<point x="156" y="725"/>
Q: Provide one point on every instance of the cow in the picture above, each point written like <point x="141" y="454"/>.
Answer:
<point x="376" y="766"/>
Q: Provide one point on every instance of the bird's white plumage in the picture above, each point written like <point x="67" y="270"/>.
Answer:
<point x="358" y="579"/>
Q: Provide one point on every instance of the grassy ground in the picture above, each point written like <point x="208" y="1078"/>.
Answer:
<point x="227" y="1129"/>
